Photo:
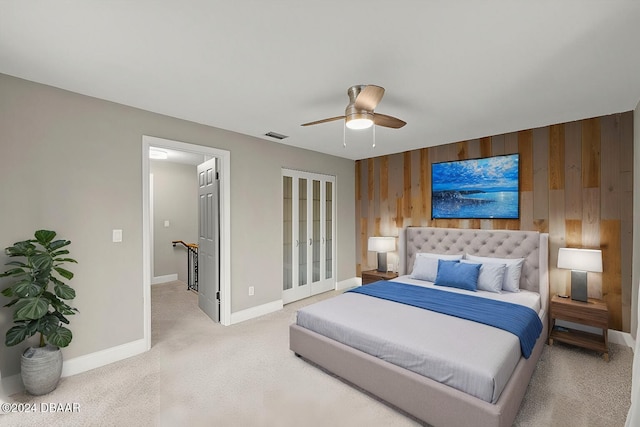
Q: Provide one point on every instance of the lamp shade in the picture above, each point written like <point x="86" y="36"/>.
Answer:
<point x="382" y="244"/>
<point x="580" y="259"/>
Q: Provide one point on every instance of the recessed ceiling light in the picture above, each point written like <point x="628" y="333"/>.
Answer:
<point x="156" y="154"/>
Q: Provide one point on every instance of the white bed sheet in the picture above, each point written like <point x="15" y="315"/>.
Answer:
<point x="474" y="358"/>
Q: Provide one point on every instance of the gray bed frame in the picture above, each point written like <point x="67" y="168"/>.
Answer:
<point x="421" y="397"/>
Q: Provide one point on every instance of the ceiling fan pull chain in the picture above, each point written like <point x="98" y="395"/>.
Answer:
<point x="374" y="135"/>
<point x="344" y="135"/>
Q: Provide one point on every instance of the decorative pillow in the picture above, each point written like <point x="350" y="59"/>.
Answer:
<point x="425" y="266"/>
<point x="455" y="274"/>
<point x="513" y="270"/>
<point x="490" y="277"/>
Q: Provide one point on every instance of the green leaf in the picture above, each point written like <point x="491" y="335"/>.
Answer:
<point x="61" y="337"/>
<point x="58" y="253"/>
<point x="61" y="260"/>
<point x="64" y="291"/>
<point x="24" y="248"/>
<point x="15" y="272"/>
<point x="8" y="292"/>
<point x="42" y="261"/>
<point x="18" y="263"/>
<point x="12" y="303"/>
<point x="52" y="298"/>
<point x="44" y="237"/>
<point x="31" y="308"/>
<point x="17" y="334"/>
<point x="64" y="273"/>
<point x="25" y="288"/>
<point x="61" y="317"/>
<point x="56" y="280"/>
<point x="58" y="244"/>
<point x="68" y="310"/>
<point x="48" y="324"/>
<point x="58" y="304"/>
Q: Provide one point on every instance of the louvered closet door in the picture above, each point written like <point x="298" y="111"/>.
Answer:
<point x="308" y="230"/>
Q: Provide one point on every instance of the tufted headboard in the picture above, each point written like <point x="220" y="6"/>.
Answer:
<point x="530" y="245"/>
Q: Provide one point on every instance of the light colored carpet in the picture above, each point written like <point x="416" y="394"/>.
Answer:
<point x="202" y="374"/>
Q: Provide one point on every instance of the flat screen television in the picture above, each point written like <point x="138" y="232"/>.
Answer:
<point x="486" y="188"/>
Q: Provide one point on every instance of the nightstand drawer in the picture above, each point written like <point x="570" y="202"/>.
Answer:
<point x="371" y="276"/>
<point x="593" y="313"/>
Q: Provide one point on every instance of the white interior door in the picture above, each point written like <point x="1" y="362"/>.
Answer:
<point x="209" y="240"/>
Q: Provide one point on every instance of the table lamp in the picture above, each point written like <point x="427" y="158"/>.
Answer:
<point x="382" y="245"/>
<point x="580" y="261"/>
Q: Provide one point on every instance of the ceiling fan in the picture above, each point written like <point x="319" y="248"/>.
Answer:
<point x="359" y="114"/>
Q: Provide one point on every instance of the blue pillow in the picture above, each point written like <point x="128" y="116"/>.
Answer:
<point x="455" y="274"/>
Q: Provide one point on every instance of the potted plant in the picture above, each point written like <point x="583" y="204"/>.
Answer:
<point x="39" y="309"/>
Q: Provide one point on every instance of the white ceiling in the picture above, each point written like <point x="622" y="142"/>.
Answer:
<point x="453" y="70"/>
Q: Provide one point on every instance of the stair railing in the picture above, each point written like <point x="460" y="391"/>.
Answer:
<point x="192" y="263"/>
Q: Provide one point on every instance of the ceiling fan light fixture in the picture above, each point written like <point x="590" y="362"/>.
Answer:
<point x="359" y="120"/>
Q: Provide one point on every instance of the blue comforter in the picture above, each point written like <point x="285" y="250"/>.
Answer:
<point x="517" y="319"/>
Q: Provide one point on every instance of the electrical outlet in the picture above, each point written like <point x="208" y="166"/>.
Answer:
<point x="251" y="290"/>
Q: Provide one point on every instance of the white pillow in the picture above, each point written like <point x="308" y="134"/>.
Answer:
<point x="491" y="276"/>
<point x="513" y="270"/>
<point x="425" y="266"/>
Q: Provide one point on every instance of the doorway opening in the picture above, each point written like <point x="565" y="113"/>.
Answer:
<point x="223" y="160"/>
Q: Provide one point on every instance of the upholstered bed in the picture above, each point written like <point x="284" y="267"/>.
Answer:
<point x="379" y="345"/>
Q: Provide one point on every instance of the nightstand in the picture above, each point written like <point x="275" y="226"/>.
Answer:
<point x="593" y="313"/>
<point x="371" y="276"/>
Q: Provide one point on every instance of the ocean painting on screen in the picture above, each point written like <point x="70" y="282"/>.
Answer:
<point x="478" y="188"/>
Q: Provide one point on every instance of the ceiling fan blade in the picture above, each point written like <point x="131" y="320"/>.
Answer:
<point x="317" y="122"/>
<point x="388" y="121"/>
<point x="369" y="98"/>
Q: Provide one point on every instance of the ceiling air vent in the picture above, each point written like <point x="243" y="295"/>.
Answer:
<point x="276" y="135"/>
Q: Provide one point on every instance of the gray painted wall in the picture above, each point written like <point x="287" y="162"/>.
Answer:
<point x="175" y="199"/>
<point x="73" y="163"/>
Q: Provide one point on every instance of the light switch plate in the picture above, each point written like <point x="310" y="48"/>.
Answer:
<point x="117" y="236"/>
<point x="166" y="222"/>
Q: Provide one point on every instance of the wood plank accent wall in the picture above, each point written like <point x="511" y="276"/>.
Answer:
<point x="576" y="183"/>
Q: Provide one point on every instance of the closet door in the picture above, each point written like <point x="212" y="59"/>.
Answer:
<point x="328" y="234"/>
<point x="322" y="279"/>
<point x="287" y="232"/>
<point x="308" y="266"/>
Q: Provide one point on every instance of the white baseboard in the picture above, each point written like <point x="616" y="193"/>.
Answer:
<point x="13" y="384"/>
<point x="103" y="357"/>
<point x="622" y="338"/>
<point x="261" y="310"/>
<point x="349" y="283"/>
<point x="164" y="279"/>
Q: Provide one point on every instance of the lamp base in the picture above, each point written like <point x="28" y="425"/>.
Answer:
<point x="382" y="262"/>
<point x="579" y="285"/>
